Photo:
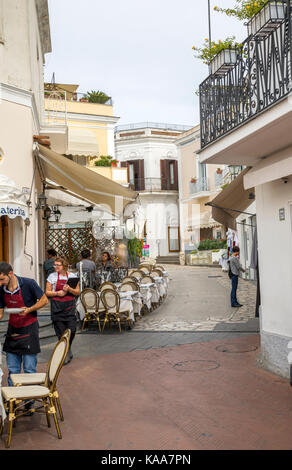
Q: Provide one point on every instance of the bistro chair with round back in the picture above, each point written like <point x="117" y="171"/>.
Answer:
<point x="137" y="275"/>
<point x="39" y="378"/>
<point x="129" y="286"/>
<point x="91" y="304"/>
<point x="146" y="269"/>
<point x="156" y="272"/>
<point x="128" y="279"/>
<point x="107" y="285"/>
<point x="111" y="301"/>
<point x="15" y="398"/>
<point x="159" y="266"/>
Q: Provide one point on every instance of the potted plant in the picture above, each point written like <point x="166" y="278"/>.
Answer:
<point x="220" y="56"/>
<point x="97" y="97"/>
<point x="114" y="163"/>
<point x="219" y="171"/>
<point x="263" y="15"/>
<point x="193" y="180"/>
<point x="83" y="100"/>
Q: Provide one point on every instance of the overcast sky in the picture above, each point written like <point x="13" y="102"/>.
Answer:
<point x="138" y="52"/>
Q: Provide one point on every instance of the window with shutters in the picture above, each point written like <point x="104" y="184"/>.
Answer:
<point x="135" y="174"/>
<point x="169" y="175"/>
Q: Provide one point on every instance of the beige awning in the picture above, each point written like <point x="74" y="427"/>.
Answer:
<point x="82" y="142"/>
<point x="84" y="183"/>
<point x="231" y="201"/>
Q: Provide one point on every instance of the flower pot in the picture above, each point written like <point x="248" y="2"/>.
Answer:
<point x="267" y="19"/>
<point x="83" y="100"/>
<point x="223" y="61"/>
<point x="219" y="171"/>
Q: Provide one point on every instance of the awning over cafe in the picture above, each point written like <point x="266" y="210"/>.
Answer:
<point x="12" y="200"/>
<point x="231" y="202"/>
<point x="82" y="142"/>
<point x="82" y="182"/>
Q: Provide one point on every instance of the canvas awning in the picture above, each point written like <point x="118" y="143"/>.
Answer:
<point x="231" y="202"/>
<point x="82" y="182"/>
<point x="82" y="142"/>
<point x="12" y="200"/>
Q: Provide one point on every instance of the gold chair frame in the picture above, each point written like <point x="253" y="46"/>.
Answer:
<point x="46" y="395"/>
<point x="91" y="315"/>
<point x="109" y="313"/>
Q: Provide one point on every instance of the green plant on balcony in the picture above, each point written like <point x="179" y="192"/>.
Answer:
<point x="97" y="97"/>
<point x="224" y="185"/>
<point x="243" y="9"/>
<point x="210" y="49"/>
<point x="105" y="160"/>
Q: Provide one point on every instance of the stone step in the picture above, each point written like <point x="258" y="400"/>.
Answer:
<point x="167" y="260"/>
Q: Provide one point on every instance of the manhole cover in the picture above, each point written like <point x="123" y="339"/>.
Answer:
<point x="193" y="366"/>
<point x="236" y="348"/>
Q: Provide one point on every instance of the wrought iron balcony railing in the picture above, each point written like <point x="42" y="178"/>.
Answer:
<point x="260" y="77"/>
<point x="202" y="184"/>
<point x="153" y="184"/>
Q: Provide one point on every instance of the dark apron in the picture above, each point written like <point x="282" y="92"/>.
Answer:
<point x="62" y="308"/>
<point x="22" y="335"/>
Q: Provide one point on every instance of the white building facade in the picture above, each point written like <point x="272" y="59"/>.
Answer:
<point x="24" y="41"/>
<point x="255" y="131"/>
<point x="149" y="152"/>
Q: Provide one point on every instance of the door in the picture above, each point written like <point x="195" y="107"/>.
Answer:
<point x="173" y="239"/>
<point x="4" y="239"/>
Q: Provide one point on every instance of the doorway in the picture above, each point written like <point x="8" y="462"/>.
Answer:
<point x="173" y="239"/>
<point x="4" y="239"/>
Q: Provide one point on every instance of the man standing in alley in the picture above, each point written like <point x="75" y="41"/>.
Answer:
<point x="24" y="296"/>
<point x="234" y="271"/>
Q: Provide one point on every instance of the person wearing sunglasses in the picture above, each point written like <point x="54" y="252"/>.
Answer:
<point x="62" y="296"/>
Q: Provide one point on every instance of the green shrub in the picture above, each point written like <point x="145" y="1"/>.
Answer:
<point x="212" y="244"/>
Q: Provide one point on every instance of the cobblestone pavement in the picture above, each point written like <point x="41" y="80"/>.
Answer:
<point x="199" y="300"/>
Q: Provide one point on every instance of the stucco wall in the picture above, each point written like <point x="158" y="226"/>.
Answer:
<point x="275" y="255"/>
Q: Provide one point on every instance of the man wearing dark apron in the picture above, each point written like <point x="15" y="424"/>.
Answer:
<point x="22" y="339"/>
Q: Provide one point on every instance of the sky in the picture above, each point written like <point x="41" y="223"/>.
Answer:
<point x="139" y="53"/>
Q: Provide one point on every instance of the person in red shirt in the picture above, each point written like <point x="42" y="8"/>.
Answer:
<point x="22" y="339"/>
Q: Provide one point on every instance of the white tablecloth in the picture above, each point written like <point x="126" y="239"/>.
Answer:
<point x="136" y="299"/>
<point x="145" y="291"/>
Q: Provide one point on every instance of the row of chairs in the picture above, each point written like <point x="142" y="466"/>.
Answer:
<point x="105" y="304"/>
<point x="40" y="388"/>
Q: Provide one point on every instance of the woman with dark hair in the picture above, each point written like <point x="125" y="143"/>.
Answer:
<point x="62" y="288"/>
<point x="106" y="261"/>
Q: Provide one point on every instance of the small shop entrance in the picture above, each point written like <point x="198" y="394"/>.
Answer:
<point x="4" y="239"/>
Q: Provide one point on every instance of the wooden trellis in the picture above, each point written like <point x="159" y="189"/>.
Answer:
<point x="69" y="242"/>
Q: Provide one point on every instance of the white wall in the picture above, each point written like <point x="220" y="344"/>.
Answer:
<point x="275" y="256"/>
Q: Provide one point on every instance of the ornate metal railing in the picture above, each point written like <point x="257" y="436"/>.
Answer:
<point x="202" y="184"/>
<point x="259" y="78"/>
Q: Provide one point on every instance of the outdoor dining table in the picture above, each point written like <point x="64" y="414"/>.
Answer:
<point x="136" y="299"/>
<point x="126" y="303"/>
<point x="160" y="285"/>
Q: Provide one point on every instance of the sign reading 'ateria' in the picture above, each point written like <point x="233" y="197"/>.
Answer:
<point x="13" y="210"/>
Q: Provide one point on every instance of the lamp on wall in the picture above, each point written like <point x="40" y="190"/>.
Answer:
<point x="42" y="201"/>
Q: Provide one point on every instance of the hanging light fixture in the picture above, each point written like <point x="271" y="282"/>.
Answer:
<point x="42" y="201"/>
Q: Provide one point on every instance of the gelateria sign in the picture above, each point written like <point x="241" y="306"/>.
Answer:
<point x="13" y="210"/>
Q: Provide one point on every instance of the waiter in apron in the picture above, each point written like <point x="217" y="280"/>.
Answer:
<point x="22" y="339"/>
<point x="62" y="297"/>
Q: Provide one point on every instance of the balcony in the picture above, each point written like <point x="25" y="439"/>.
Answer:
<point x="200" y="186"/>
<point x="256" y="86"/>
<point x="152" y="185"/>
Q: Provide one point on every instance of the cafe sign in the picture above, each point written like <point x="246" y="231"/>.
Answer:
<point x="13" y="210"/>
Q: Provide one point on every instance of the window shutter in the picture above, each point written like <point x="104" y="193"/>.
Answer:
<point x="163" y="174"/>
<point x="175" y="175"/>
<point x="126" y="165"/>
<point x="141" y="180"/>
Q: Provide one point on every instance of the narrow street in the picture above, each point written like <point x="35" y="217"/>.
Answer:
<point x="166" y="385"/>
